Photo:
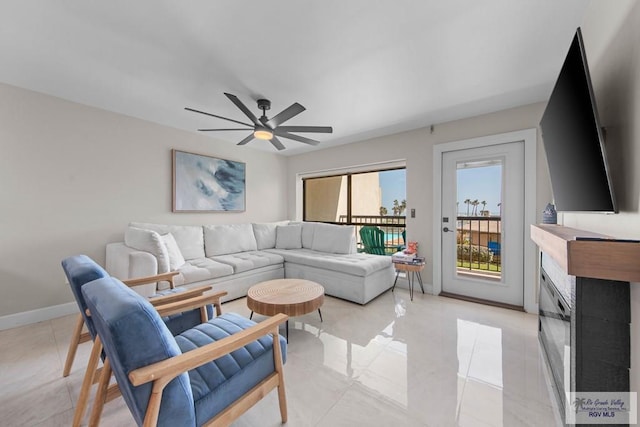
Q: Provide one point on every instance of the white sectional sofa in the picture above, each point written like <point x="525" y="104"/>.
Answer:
<point x="235" y="257"/>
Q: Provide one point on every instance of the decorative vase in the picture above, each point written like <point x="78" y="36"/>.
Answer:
<point x="549" y="214"/>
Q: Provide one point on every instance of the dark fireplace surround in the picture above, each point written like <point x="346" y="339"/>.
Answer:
<point x="585" y="314"/>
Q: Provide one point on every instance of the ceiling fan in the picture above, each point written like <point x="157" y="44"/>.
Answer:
<point x="269" y="128"/>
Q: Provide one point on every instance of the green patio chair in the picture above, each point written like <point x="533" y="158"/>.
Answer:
<point x="373" y="240"/>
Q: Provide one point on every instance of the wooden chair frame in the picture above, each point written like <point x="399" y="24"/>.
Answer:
<point x="161" y="373"/>
<point x="79" y="336"/>
<point x="166" y="305"/>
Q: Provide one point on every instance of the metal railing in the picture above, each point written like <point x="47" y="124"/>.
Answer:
<point x="392" y="225"/>
<point x="479" y="243"/>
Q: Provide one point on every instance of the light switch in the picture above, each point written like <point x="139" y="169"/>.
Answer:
<point x="413" y="213"/>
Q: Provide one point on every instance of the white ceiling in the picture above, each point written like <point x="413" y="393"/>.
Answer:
<point x="366" y="67"/>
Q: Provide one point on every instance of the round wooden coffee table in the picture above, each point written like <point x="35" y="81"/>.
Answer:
<point x="293" y="297"/>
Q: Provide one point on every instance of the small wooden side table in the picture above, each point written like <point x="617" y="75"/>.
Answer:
<point x="293" y="297"/>
<point x="412" y="270"/>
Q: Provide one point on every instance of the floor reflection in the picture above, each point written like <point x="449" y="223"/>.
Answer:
<point x="479" y="372"/>
<point x="438" y="361"/>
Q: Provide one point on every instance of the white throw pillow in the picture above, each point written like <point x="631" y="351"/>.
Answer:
<point x="307" y="232"/>
<point x="266" y="234"/>
<point x="308" y="229"/>
<point x="189" y="238"/>
<point x="335" y="239"/>
<point x="229" y="239"/>
<point x="148" y="241"/>
<point x="289" y="237"/>
<point x="176" y="260"/>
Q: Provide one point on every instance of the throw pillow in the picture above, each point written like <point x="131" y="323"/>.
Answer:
<point x="335" y="239"/>
<point x="148" y="241"/>
<point x="229" y="239"/>
<point x="176" y="260"/>
<point x="189" y="238"/>
<point x="289" y="237"/>
<point x="307" y="232"/>
<point x="266" y="234"/>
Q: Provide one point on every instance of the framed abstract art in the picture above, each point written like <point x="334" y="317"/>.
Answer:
<point x="207" y="184"/>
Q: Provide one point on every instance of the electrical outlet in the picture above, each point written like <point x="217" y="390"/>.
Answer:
<point x="413" y="213"/>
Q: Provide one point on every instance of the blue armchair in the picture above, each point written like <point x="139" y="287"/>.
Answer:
<point x="208" y="374"/>
<point x="182" y="311"/>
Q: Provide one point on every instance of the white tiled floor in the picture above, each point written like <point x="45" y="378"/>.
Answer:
<point x="431" y="362"/>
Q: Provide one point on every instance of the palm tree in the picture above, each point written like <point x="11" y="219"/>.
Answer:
<point x="484" y="204"/>
<point x="500" y="207"/>
<point x="396" y="208"/>
<point x="467" y="201"/>
<point x="579" y="402"/>
<point x="475" y="204"/>
<point x="402" y="207"/>
<point x="383" y="211"/>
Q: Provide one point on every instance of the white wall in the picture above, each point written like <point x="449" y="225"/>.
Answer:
<point x="416" y="147"/>
<point x="611" y="33"/>
<point x="73" y="176"/>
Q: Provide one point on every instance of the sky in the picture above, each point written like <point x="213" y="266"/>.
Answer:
<point x="394" y="186"/>
<point x="482" y="183"/>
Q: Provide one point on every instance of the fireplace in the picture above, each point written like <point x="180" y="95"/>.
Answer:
<point x="584" y="309"/>
<point x="554" y="333"/>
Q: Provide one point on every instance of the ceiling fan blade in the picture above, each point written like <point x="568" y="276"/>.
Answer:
<point x="276" y="143"/>
<point x="314" y="129"/>
<point x="217" y="117"/>
<point x="298" y="138"/>
<point x="214" y="130"/>
<point x="243" y="108"/>
<point x="246" y="140"/>
<point x="289" y="112"/>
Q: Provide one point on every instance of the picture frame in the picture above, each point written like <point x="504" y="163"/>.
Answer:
<point x="204" y="183"/>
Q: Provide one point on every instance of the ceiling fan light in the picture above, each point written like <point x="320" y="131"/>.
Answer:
<point x="265" y="134"/>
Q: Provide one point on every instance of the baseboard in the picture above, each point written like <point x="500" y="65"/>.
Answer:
<point x="34" y="316"/>
<point x="482" y="301"/>
<point x="403" y="283"/>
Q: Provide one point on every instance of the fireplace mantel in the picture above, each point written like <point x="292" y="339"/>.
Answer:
<point x="586" y="254"/>
<point x="585" y="308"/>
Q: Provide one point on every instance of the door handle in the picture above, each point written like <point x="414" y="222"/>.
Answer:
<point x="446" y="230"/>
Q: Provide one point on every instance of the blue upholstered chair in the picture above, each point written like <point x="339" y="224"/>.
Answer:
<point x="210" y="374"/>
<point x="182" y="310"/>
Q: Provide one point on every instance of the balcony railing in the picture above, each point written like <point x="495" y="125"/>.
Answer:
<point x="393" y="226"/>
<point x="479" y="238"/>
<point x="479" y="243"/>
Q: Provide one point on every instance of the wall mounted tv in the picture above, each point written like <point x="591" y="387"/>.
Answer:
<point x="573" y="140"/>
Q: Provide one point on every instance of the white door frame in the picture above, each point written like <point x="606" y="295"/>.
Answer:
<point x="530" y="255"/>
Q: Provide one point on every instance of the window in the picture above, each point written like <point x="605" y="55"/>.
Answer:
<point x="366" y="198"/>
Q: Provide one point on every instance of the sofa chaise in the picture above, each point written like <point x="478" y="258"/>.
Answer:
<point x="234" y="257"/>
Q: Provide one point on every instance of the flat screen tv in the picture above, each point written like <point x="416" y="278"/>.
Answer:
<point x="574" y="141"/>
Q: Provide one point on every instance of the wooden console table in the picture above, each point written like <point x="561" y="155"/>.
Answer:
<point x="590" y="272"/>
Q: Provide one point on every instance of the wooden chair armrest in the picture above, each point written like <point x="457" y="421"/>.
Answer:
<point x="164" y="277"/>
<point x="190" y="304"/>
<point x="164" y="371"/>
<point x="177" y="296"/>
